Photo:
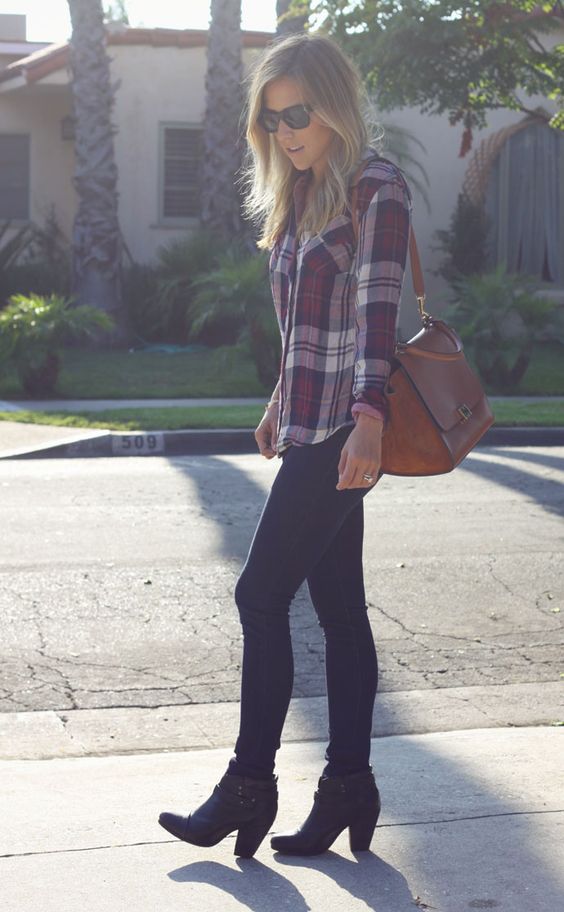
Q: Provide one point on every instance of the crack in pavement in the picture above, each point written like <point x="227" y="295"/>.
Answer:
<point x="142" y="670"/>
<point x="402" y="823"/>
<point x="393" y="619"/>
<point x="479" y="709"/>
<point x="493" y="560"/>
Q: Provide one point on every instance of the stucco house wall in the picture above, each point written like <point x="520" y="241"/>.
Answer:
<point x="51" y="159"/>
<point x="158" y="84"/>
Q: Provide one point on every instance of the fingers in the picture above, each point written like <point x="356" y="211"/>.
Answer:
<point x="352" y="471"/>
<point x="265" y="438"/>
<point x="265" y="446"/>
<point x="361" y="455"/>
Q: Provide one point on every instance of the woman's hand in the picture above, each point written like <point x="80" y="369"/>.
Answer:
<point x="361" y="454"/>
<point x="265" y="434"/>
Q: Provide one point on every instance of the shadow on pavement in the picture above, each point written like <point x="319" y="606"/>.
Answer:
<point x="255" y="886"/>
<point x="234" y="505"/>
<point x="262" y="889"/>
<point x="544" y="459"/>
<point x="463" y="832"/>
<point x="547" y="492"/>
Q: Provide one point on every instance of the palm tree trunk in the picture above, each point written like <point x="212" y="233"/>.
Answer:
<point x="97" y="245"/>
<point x="223" y="141"/>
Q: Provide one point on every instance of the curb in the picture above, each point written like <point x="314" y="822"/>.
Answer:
<point x="228" y="441"/>
<point x="111" y="730"/>
<point x="144" y="443"/>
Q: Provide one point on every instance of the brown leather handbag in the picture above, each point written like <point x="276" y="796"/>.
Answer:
<point x="438" y="410"/>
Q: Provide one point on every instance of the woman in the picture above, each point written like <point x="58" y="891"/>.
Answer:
<point x="337" y="311"/>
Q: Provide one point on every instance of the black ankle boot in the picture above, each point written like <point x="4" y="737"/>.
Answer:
<point x="340" y="801"/>
<point x="236" y="803"/>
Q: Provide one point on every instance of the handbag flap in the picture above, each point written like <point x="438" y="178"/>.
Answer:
<point x="434" y="362"/>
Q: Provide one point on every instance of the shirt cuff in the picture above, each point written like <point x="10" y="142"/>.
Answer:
<point x="367" y="410"/>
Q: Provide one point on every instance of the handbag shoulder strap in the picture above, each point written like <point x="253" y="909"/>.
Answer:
<point x="416" y="271"/>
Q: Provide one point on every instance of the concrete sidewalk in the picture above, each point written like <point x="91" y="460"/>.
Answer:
<point x="29" y="441"/>
<point x="470" y="820"/>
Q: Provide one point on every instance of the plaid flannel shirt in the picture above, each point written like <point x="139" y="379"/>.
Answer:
<point x="337" y="307"/>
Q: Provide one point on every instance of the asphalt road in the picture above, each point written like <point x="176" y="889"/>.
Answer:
<point x="117" y="578"/>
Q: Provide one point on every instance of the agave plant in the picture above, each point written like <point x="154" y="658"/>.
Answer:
<point x="33" y="331"/>
<point x="501" y="316"/>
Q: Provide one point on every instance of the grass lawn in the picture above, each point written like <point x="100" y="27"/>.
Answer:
<point x="118" y="374"/>
<point x="528" y="414"/>
<point x="148" y="419"/>
<point x="222" y="372"/>
<point x="507" y="413"/>
<point x="545" y="375"/>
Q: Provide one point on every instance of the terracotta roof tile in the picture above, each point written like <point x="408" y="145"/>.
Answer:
<point x="56" y="56"/>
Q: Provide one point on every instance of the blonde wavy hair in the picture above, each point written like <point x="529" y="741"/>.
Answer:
<point x="332" y="85"/>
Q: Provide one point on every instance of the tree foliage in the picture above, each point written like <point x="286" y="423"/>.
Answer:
<point x="287" y="22"/>
<point x="115" y="11"/>
<point x="464" y="59"/>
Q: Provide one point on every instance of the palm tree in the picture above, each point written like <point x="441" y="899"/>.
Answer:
<point x="222" y="140"/>
<point x="97" y="244"/>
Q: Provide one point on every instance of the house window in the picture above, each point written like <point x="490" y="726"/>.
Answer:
<point x="14" y="176"/>
<point x="525" y="202"/>
<point x="181" y="157"/>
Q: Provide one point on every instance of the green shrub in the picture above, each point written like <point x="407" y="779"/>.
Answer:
<point x="37" y="261"/>
<point x="465" y="243"/>
<point x="33" y="331"/>
<point x="501" y="316"/>
<point x="11" y="247"/>
<point x="179" y="263"/>
<point x="139" y="294"/>
<point x="233" y="304"/>
<point x="157" y="296"/>
<point x="37" y="277"/>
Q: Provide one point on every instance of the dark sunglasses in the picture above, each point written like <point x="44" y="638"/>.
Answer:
<point x="296" y="116"/>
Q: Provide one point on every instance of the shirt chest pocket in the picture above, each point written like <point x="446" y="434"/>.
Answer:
<point x="332" y="252"/>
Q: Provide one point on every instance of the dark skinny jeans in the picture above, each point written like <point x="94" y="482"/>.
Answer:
<point x="308" y="530"/>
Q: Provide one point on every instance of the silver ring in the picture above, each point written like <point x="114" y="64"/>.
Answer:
<point x="368" y="477"/>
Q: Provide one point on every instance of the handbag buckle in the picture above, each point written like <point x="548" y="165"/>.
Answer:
<point x="464" y="412"/>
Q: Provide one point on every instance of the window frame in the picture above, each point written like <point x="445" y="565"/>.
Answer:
<point x="163" y="220"/>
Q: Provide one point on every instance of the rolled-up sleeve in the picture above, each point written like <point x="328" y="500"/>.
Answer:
<point x="383" y="243"/>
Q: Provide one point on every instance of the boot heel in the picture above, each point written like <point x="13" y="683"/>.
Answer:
<point x="362" y="831"/>
<point x="251" y="834"/>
